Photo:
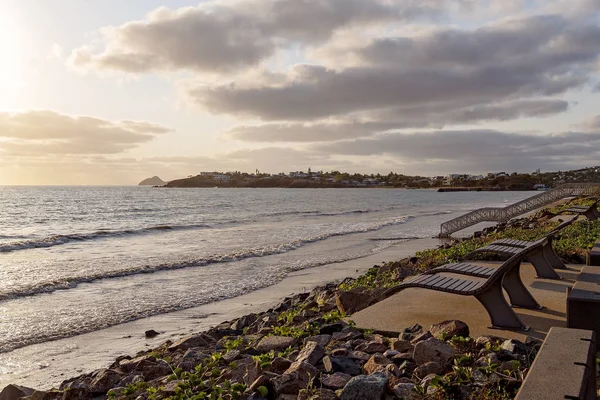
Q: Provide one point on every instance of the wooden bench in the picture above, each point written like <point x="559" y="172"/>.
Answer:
<point x="565" y="367"/>
<point x="583" y="301"/>
<point x="591" y="212"/>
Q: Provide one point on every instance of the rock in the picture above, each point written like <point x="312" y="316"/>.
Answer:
<point x="262" y="380"/>
<point x="335" y="381"/>
<point x="532" y="342"/>
<point x="243" y="322"/>
<point x="372" y="347"/>
<point x="510" y="366"/>
<point x="346" y="335"/>
<point x="341" y="364"/>
<point x="406" y="391"/>
<point x="359" y="355"/>
<point x="353" y="301"/>
<point x="365" y="387"/>
<point x="151" y="333"/>
<point x="427" y="380"/>
<point x="277" y="343"/>
<point x="200" y="340"/>
<point x="286" y="384"/>
<point x="304" y="371"/>
<point x="14" y="392"/>
<point x="247" y="371"/>
<point x="105" y="380"/>
<point x="487" y="340"/>
<point x="449" y="328"/>
<point x="400" y="345"/>
<point x="514" y="346"/>
<point x="317" y="394"/>
<point x="43" y="395"/>
<point x="376" y="363"/>
<point x="331" y="329"/>
<point x="311" y="353"/>
<point x="391" y="353"/>
<point x="341" y="352"/>
<point x="297" y="377"/>
<point x="231" y="355"/>
<point x="399" y="358"/>
<point x="421" y="337"/>
<point x="429" y="368"/>
<point x="160" y="369"/>
<point x="433" y="350"/>
<point x="478" y="376"/>
<point x="279" y="365"/>
<point x="322" y="340"/>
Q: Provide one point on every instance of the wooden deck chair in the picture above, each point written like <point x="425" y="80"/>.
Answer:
<point x="488" y="291"/>
<point x="591" y="212"/>
<point x="543" y="258"/>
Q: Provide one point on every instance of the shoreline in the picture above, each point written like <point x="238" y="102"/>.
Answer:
<point x="50" y="363"/>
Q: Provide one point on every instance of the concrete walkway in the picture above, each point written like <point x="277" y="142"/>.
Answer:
<point x="428" y="307"/>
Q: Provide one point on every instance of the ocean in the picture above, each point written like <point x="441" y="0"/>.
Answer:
<point x="80" y="259"/>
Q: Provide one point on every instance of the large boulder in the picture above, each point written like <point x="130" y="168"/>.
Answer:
<point x="276" y="343"/>
<point x="14" y="392"/>
<point x="365" y="387"/>
<point x="449" y="328"/>
<point x="353" y="301"/>
<point x="433" y="350"/>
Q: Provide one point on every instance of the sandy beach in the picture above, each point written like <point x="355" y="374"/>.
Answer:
<point x="46" y="365"/>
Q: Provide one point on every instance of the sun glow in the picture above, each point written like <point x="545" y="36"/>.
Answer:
<point x="11" y="68"/>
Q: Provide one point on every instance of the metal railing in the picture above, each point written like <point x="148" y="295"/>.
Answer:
<point x="503" y="214"/>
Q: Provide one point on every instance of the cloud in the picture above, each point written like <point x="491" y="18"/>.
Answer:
<point x="43" y="132"/>
<point x="473" y="149"/>
<point x="401" y="118"/>
<point x="594" y="123"/>
<point x="513" y="60"/>
<point x="220" y="36"/>
<point x="596" y="88"/>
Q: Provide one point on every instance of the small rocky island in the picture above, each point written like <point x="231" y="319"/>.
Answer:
<point x="154" y="181"/>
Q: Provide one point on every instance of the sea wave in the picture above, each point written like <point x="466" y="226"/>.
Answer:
<point x="57" y="240"/>
<point x="71" y="282"/>
<point x="99" y="321"/>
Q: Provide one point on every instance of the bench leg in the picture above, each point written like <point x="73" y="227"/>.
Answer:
<point x="542" y="267"/>
<point x="591" y="215"/>
<point x="500" y="313"/>
<point x="517" y="292"/>
<point x="552" y="258"/>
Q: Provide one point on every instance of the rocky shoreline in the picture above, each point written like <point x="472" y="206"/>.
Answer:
<point x="306" y="348"/>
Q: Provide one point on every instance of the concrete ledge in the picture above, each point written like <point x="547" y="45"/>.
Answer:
<point x="565" y="367"/>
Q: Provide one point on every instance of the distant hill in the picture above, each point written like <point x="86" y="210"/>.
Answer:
<point x="154" y="181"/>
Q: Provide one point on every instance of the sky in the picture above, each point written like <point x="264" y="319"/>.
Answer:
<point x="108" y="92"/>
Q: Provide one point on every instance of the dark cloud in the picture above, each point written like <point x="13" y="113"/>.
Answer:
<point x="477" y="147"/>
<point x="218" y="36"/>
<point x="48" y="132"/>
<point x="596" y="88"/>
<point x="401" y="118"/>
<point x="514" y="60"/>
